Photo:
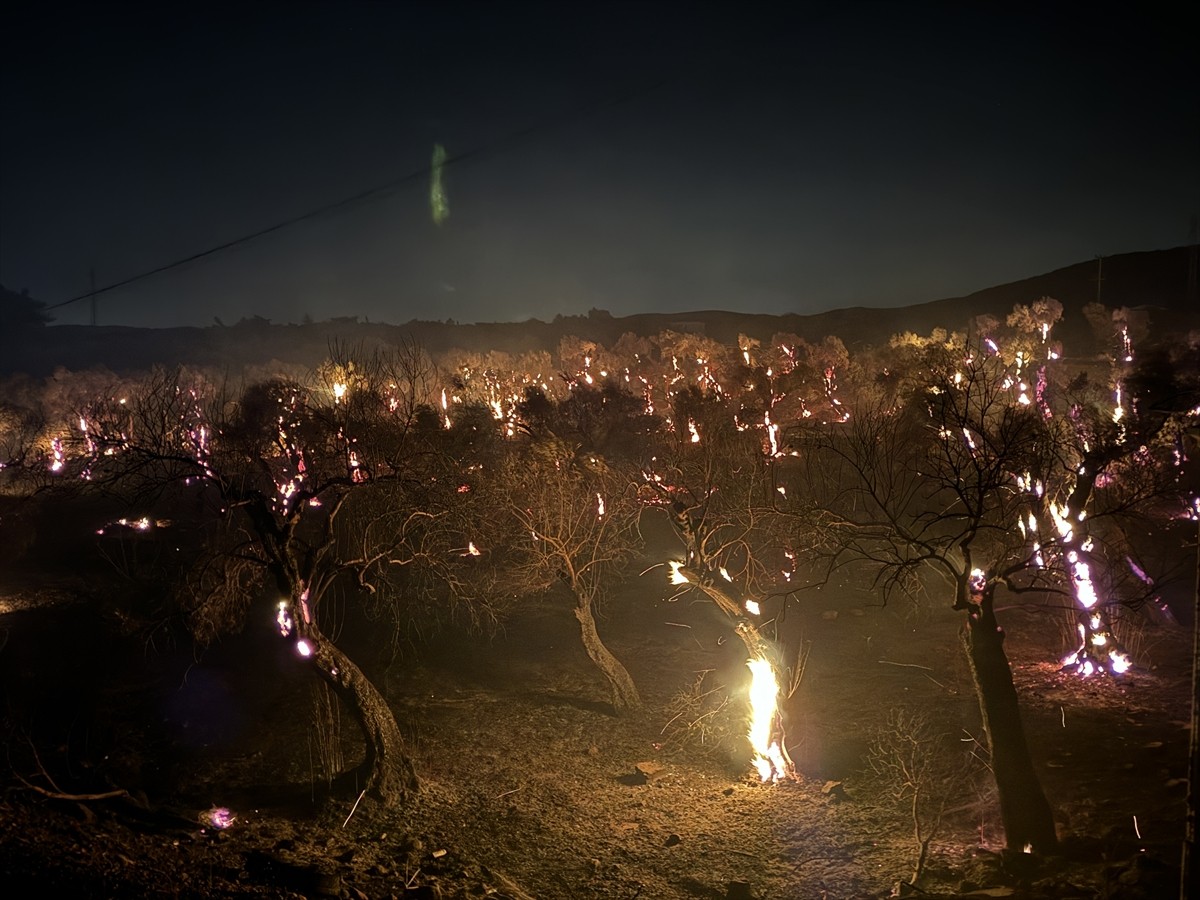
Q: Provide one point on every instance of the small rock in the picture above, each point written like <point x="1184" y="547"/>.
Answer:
<point x="728" y="792"/>
<point x="673" y="840"/>
<point x="327" y="884"/>
<point x="438" y="854"/>
<point x="651" y="771"/>
<point x="834" y="791"/>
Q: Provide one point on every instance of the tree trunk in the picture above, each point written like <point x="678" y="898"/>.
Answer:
<point x="386" y="771"/>
<point x="624" y="692"/>
<point x="1024" y="810"/>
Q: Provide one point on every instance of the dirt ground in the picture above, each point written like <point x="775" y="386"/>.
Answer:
<point x="530" y="788"/>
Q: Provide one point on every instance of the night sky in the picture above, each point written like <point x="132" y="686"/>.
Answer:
<point x="631" y="157"/>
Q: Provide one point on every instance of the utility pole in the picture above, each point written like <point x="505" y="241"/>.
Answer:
<point x="1099" y="275"/>
<point x="92" y="276"/>
<point x="1188" y="861"/>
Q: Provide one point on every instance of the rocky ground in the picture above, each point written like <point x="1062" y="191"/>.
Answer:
<point x="530" y="788"/>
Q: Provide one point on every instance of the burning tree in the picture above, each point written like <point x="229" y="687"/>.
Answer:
<point x="305" y="484"/>
<point x="719" y="483"/>
<point x="927" y="484"/>
<point x="1109" y="463"/>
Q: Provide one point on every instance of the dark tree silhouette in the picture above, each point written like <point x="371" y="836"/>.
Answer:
<point x="19" y="311"/>
<point x="928" y="486"/>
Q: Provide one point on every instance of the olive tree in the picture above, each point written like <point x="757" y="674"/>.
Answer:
<point x="301" y="484"/>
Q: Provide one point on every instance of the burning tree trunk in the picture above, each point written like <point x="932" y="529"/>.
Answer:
<point x="766" y="734"/>
<point x="719" y="483"/>
<point x="624" y="693"/>
<point x="1024" y="809"/>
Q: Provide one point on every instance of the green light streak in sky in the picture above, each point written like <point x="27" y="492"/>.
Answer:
<point x="439" y="206"/>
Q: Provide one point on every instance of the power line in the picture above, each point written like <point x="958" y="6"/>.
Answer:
<point x="380" y="190"/>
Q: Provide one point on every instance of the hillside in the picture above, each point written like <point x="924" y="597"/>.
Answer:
<point x="1155" y="281"/>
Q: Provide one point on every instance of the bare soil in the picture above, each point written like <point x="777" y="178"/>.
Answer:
<point x="531" y="788"/>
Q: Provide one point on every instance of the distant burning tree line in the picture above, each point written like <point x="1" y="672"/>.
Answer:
<point x="453" y="490"/>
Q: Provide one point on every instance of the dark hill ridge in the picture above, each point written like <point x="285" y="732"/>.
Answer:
<point x="1156" y="280"/>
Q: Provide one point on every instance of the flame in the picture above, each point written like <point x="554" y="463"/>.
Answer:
<point x="284" y="617"/>
<point x="677" y="576"/>
<point x="1085" y="590"/>
<point x="769" y="758"/>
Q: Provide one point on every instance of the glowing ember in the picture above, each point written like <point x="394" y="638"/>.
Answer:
<point x="753" y="608"/>
<point x="220" y="817"/>
<point x="304" y="648"/>
<point x="978" y="581"/>
<point x="769" y="758"/>
<point x="284" y="618"/>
